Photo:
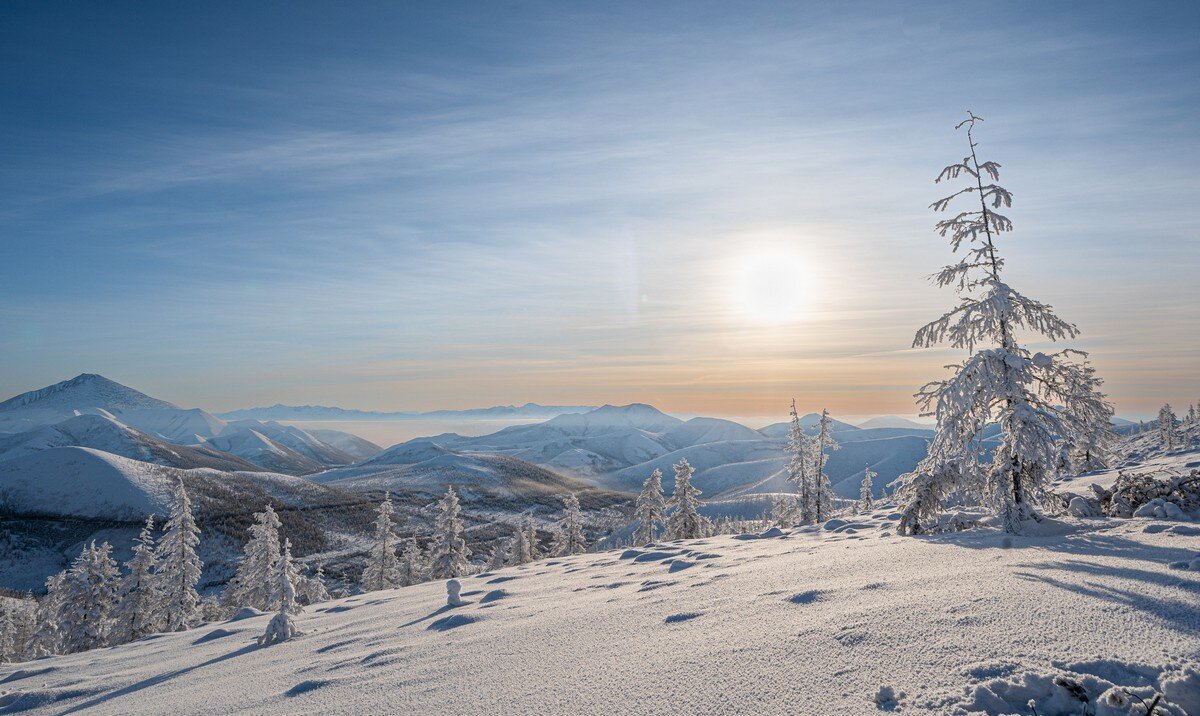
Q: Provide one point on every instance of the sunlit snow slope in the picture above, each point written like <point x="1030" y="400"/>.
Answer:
<point x="813" y="622"/>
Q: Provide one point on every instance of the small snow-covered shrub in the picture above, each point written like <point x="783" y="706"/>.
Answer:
<point x="1083" y="507"/>
<point x="1158" y="507"/>
<point x="1135" y="490"/>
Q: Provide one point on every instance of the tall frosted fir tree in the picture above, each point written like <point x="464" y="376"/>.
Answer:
<point x="1001" y="381"/>
<point x="91" y="588"/>
<point x="450" y="551"/>
<point x="821" y="491"/>
<point x="1166" y="426"/>
<point x="138" y="611"/>
<point x="254" y="584"/>
<point x="519" y="554"/>
<point x="51" y="616"/>
<point x="799" y="467"/>
<point x="412" y="563"/>
<point x="866" y="496"/>
<point x="383" y="566"/>
<point x="1090" y="448"/>
<point x="531" y="537"/>
<point x="178" y="570"/>
<point x="570" y="539"/>
<point x="651" y="506"/>
<point x="282" y="627"/>
<point x="685" y="521"/>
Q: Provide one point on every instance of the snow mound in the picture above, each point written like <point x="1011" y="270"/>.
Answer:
<point x="1102" y="687"/>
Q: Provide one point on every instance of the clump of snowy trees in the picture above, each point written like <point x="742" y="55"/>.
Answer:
<point x="678" y="516"/>
<point x="92" y="604"/>
<point x="806" y="470"/>
<point x="393" y="562"/>
<point x="1041" y="402"/>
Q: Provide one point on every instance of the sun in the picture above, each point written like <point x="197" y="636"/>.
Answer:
<point x="773" y="286"/>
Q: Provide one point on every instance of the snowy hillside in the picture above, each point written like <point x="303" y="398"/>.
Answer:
<point x="499" y="486"/>
<point x="101" y="431"/>
<point x="82" y="482"/>
<point x="74" y="412"/>
<point x="617" y="447"/>
<point x="844" y="620"/>
<point x="55" y="499"/>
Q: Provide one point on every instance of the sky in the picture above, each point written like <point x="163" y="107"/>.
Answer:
<point x="711" y="207"/>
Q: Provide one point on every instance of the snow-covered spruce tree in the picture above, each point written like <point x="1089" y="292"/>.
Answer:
<point x="799" y="472"/>
<point x="383" y="566"/>
<point x="519" y="554"/>
<point x="412" y="563"/>
<point x="137" y="613"/>
<point x="1001" y="382"/>
<point x="499" y="558"/>
<point x="650" y="509"/>
<point x="1166" y="426"/>
<point x="47" y="637"/>
<point x="9" y="652"/>
<point x="91" y="596"/>
<point x="821" y="492"/>
<point x="287" y="571"/>
<point x="531" y="537"/>
<point x="178" y="567"/>
<point x="311" y="587"/>
<point x="1090" y="445"/>
<point x="254" y="584"/>
<point x="282" y="627"/>
<point x="570" y="538"/>
<point x="866" y="492"/>
<point x="25" y="618"/>
<point x="685" y="521"/>
<point x="450" y="551"/>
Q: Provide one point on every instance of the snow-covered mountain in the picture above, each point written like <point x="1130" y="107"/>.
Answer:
<point x="83" y="393"/>
<point x="106" y="415"/>
<point x="103" y="432"/>
<point x="352" y="445"/>
<point x="892" y="421"/>
<point x="617" y="447"/>
<point x="299" y="413"/>
<point x="849" y="619"/>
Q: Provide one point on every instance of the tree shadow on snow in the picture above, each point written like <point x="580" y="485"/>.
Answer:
<point x="1082" y="544"/>
<point x="1179" y="612"/>
<point x="157" y="679"/>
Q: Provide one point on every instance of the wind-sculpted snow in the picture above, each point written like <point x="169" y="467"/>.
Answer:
<point x="844" y="620"/>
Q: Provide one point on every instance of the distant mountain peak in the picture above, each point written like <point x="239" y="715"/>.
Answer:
<point x="86" y="390"/>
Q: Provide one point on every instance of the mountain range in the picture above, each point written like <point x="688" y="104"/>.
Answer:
<point x="617" y="447"/>
<point x="93" y="411"/>
<point x="298" y="413"/>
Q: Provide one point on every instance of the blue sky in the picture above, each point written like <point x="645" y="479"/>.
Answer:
<point x="456" y="204"/>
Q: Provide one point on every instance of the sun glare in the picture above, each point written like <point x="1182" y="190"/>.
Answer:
<point x="773" y="286"/>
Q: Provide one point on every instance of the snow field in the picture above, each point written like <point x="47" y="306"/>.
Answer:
<point x="845" y="620"/>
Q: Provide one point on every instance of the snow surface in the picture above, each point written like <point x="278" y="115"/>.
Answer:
<point x="844" y="620"/>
